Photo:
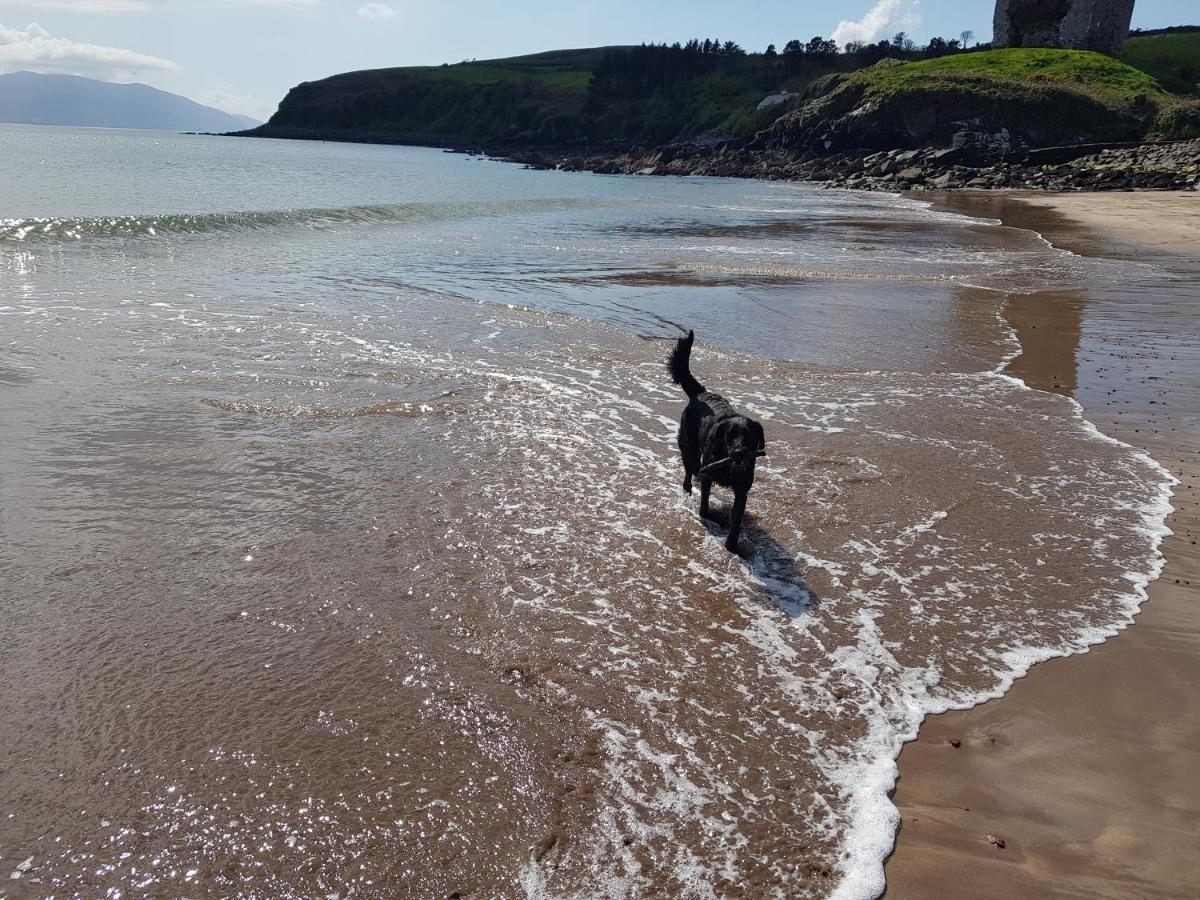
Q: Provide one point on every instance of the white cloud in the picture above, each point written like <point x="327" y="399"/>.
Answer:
<point x="378" y="12"/>
<point x="35" y="50"/>
<point x="91" y="6"/>
<point x="882" y="20"/>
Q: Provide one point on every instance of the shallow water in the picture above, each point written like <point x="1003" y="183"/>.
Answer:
<point x="343" y="546"/>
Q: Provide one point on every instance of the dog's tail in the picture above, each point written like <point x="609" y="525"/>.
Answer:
<point x="681" y="372"/>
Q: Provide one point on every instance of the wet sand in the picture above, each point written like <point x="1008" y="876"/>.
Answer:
<point x="1086" y="769"/>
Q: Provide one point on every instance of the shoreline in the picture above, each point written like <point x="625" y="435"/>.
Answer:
<point x="1082" y="769"/>
<point x="1160" y="165"/>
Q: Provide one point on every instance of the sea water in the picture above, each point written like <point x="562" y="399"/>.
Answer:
<point x="343" y="546"/>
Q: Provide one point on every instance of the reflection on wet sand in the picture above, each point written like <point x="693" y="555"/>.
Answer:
<point x="1049" y="328"/>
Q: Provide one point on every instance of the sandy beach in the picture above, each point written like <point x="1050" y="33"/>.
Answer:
<point x="1081" y="781"/>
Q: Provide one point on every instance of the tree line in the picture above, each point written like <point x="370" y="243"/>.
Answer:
<point x="642" y="71"/>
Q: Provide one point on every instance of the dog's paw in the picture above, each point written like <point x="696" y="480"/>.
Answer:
<point x="687" y="486"/>
<point x="732" y="546"/>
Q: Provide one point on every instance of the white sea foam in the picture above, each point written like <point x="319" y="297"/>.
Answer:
<point x="871" y="836"/>
<point x="891" y="708"/>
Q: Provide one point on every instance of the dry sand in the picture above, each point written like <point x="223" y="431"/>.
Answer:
<point x="1167" y="222"/>
<point x="1088" y="770"/>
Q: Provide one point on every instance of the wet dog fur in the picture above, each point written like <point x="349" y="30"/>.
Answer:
<point x="718" y="445"/>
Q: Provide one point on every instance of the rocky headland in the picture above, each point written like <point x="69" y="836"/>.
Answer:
<point x="1030" y="119"/>
<point x="1027" y="118"/>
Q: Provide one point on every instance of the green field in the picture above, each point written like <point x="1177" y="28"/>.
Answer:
<point x="568" y="70"/>
<point x="480" y="74"/>
<point x="1092" y="73"/>
<point x="1047" y="95"/>
<point x="1174" y="59"/>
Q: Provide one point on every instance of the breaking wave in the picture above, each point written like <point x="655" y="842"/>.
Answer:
<point x="168" y="224"/>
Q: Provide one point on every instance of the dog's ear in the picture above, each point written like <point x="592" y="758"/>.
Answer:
<point x="762" y="438"/>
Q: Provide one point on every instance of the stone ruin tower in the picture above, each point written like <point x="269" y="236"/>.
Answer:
<point x="1100" y="25"/>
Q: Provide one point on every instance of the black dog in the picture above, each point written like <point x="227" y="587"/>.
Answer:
<point x="716" y="443"/>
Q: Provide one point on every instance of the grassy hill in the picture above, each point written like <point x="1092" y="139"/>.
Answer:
<point x="620" y="97"/>
<point x="1173" y="59"/>
<point x="473" y="100"/>
<point x="1059" y="90"/>
<point x="548" y="99"/>
<point x="1016" y="69"/>
<point x="1038" y="97"/>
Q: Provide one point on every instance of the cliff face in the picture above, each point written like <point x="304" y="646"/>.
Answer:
<point x="1099" y="25"/>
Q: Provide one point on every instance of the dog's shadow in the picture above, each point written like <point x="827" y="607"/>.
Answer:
<point x="779" y="576"/>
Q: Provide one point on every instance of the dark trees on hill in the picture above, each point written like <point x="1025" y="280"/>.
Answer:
<point x="640" y="71"/>
<point x="820" y="47"/>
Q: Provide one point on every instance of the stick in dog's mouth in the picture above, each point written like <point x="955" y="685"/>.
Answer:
<point x="713" y="467"/>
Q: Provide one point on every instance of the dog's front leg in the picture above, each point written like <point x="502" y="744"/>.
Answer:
<point x="705" y="487"/>
<point x="735" y="521"/>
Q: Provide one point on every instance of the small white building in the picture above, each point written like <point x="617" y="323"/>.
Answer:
<point x="776" y="99"/>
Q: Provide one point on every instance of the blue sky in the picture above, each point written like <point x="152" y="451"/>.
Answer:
<point x="243" y="55"/>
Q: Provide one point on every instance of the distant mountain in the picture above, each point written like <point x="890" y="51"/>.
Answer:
<point x="32" y="99"/>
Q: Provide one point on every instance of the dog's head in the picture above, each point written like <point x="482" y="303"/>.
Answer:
<point x="746" y="442"/>
<point x="738" y="442"/>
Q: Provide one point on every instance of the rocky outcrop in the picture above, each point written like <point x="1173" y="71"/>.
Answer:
<point x="1156" y="166"/>
<point x="1166" y="166"/>
<point x="851" y="115"/>
<point x="1100" y="25"/>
